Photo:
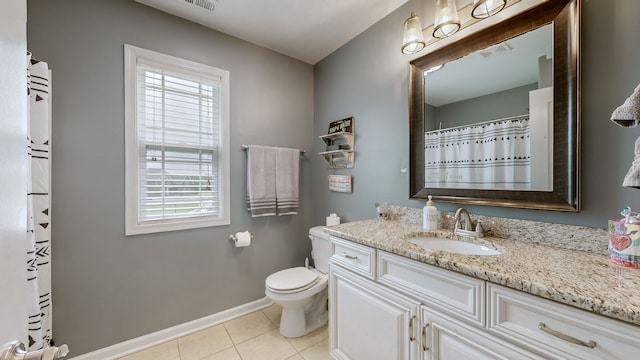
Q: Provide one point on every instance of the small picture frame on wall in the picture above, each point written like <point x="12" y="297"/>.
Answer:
<point x="343" y="125"/>
<point x="340" y="183"/>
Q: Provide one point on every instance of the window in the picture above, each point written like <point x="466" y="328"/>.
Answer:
<point x="176" y="143"/>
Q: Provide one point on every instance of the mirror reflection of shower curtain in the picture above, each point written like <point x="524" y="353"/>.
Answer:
<point x="489" y="155"/>
<point x="38" y="212"/>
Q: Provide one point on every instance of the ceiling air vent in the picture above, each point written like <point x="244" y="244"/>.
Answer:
<point x="208" y="5"/>
<point x="497" y="49"/>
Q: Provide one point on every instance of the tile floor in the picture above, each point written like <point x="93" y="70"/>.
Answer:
<point x="254" y="336"/>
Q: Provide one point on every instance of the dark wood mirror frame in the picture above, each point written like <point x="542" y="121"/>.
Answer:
<point x="565" y="15"/>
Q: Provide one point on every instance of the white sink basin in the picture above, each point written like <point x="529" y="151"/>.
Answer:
<point x="454" y="246"/>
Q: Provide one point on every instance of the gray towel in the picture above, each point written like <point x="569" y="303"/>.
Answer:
<point x="632" y="179"/>
<point x="261" y="180"/>
<point x="287" y="177"/>
<point x="628" y="114"/>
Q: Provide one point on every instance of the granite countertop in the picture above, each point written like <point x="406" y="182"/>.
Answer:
<point x="582" y="279"/>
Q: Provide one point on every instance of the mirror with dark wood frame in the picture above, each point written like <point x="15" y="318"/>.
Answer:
<point x="563" y="194"/>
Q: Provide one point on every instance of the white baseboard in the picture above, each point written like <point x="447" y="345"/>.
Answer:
<point x="159" y="337"/>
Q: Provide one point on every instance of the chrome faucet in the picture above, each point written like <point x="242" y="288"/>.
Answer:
<point x="468" y="225"/>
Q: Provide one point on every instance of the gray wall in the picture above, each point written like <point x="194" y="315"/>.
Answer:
<point x="109" y="288"/>
<point x="494" y="106"/>
<point x="367" y="79"/>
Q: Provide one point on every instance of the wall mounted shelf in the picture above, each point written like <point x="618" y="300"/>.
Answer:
<point x="339" y="154"/>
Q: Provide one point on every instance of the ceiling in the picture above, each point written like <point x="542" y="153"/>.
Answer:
<point x="504" y="66"/>
<point x="307" y="30"/>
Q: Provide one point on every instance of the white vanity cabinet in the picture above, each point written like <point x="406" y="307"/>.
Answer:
<point x="385" y="306"/>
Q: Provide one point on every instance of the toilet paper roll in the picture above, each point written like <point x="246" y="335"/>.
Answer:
<point x="243" y="239"/>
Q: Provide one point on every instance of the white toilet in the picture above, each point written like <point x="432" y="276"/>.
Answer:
<point x="301" y="291"/>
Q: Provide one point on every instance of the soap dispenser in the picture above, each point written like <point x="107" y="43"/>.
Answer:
<point x="430" y="216"/>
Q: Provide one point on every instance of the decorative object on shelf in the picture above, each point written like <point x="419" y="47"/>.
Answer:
<point x="339" y="142"/>
<point x="340" y="183"/>
<point x="628" y="115"/>
<point x="343" y="125"/>
<point x="447" y="22"/>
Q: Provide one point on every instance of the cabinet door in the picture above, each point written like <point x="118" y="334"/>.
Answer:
<point x="368" y="321"/>
<point x="445" y="338"/>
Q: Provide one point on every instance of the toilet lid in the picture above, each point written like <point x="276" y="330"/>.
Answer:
<point x="293" y="279"/>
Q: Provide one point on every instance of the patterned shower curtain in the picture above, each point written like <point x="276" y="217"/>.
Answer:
<point x="39" y="229"/>
<point x="489" y="155"/>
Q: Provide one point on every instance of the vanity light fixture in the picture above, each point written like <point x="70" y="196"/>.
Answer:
<point x="432" y="69"/>
<point x="447" y="21"/>
<point x="412" y="39"/>
<point x="482" y="9"/>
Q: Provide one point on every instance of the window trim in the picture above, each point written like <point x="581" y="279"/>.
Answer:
<point x="132" y="225"/>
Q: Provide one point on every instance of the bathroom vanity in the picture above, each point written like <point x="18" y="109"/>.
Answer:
<point x="392" y="299"/>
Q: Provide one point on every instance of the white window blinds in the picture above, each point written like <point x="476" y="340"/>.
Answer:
<point x="179" y="126"/>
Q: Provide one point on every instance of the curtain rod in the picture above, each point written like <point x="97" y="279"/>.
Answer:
<point x="510" y="118"/>
<point x="245" y="147"/>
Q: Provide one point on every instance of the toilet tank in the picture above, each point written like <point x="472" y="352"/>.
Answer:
<point x="320" y="248"/>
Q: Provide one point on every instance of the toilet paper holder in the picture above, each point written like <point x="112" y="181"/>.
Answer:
<point x="233" y="237"/>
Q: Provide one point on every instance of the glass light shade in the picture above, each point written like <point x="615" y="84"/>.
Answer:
<point x="482" y="9"/>
<point x="433" y="68"/>
<point x="412" y="39"/>
<point x="447" y="21"/>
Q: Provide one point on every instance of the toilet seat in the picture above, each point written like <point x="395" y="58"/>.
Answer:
<point x="292" y="280"/>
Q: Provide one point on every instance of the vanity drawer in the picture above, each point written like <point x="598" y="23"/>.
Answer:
<point x="358" y="258"/>
<point x="455" y="294"/>
<point x="552" y="329"/>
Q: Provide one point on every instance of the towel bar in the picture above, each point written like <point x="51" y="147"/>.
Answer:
<point x="245" y="147"/>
